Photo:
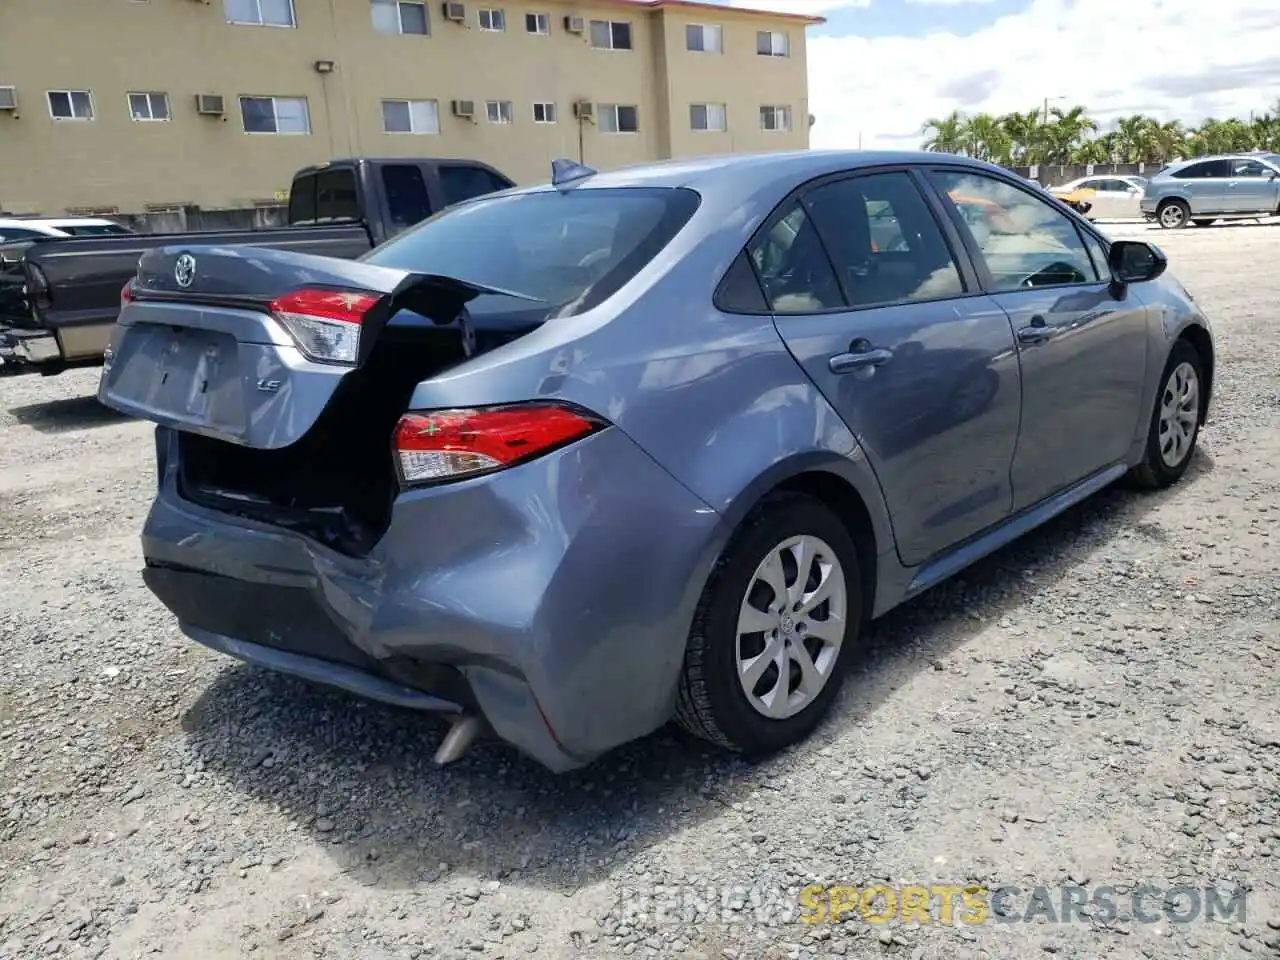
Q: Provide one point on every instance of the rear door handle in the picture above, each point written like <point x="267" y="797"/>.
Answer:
<point x="861" y="354"/>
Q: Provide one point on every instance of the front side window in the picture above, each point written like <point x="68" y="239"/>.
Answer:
<point x="772" y="43"/>
<point x="149" y="106"/>
<point x="95" y="230"/>
<point x="568" y="250"/>
<point x="775" y="119"/>
<point x="610" y="35"/>
<point x="71" y="104"/>
<point x="261" y="13"/>
<point x="707" y="116"/>
<point x="400" y="16"/>
<point x="280" y="115"/>
<point x="493" y="20"/>
<point x="618" y="118"/>
<point x="463" y="182"/>
<point x="884" y="243"/>
<point x="1023" y="240"/>
<point x="1250" y="168"/>
<point x="704" y="38"/>
<point x="410" y="116"/>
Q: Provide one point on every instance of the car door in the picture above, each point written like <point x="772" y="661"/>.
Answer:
<point x="1205" y="186"/>
<point x="1251" y="187"/>
<point x="872" y="300"/>
<point x="1081" y="341"/>
<point x="1113" y="200"/>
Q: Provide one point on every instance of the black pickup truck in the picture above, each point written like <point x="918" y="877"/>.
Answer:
<point x="59" y="298"/>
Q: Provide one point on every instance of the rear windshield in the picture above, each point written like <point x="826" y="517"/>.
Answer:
<point x="570" y="250"/>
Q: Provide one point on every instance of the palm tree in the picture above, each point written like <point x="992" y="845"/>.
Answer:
<point x="1067" y="131"/>
<point x="985" y="139"/>
<point x="1026" y="134"/>
<point x="947" y="134"/>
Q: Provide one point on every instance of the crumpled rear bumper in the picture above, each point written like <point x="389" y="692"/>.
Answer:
<point x="553" y="599"/>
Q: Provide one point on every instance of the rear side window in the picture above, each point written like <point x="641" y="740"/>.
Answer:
<point x="9" y="234"/>
<point x="885" y="244"/>
<point x="461" y="183"/>
<point x="571" y="251"/>
<point x="336" y="196"/>
<point x="1201" y="171"/>
<point x="407" y="201"/>
<point x="794" y="269"/>
<point x="96" y="230"/>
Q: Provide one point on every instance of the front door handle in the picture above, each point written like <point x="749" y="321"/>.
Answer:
<point x="1036" y="332"/>
<point x="861" y="354"/>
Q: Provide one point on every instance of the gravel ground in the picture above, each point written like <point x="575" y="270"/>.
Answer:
<point x="1095" y="705"/>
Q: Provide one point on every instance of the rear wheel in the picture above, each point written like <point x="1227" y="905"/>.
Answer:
<point x="1175" y="421"/>
<point x="771" y="638"/>
<point x="1173" y="214"/>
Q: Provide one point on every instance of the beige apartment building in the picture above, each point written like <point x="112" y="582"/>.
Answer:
<point x="135" y="105"/>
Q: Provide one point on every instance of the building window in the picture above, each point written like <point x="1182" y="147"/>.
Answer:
<point x="410" y="116"/>
<point x="544" y="113"/>
<point x="707" y="116"/>
<point x="261" y="13"/>
<point x="771" y="43"/>
<point x="282" y="115"/>
<point x="775" y="118"/>
<point x="149" y="106"/>
<point x="704" y="38"/>
<point x="71" y="104"/>
<point x="537" y="23"/>
<point x="611" y="34"/>
<point x="493" y="20"/>
<point x="499" y="111"/>
<point x="618" y="118"/>
<point x="400" y="16"/>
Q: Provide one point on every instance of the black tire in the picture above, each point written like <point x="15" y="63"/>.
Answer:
<point x="1153" y="473"/>
<point x="711" y="703"/>
<point x="1175" y="222"/>
<point x="1203" y="222"/>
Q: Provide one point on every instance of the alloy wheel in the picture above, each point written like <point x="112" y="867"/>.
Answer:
<point x="1179" y="414"/>
<point x="791" y="625"/>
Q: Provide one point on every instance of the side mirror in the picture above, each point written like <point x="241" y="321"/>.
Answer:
<point x="1133" y="261"/>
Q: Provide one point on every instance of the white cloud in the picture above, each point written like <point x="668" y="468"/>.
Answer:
<point x="1175" y="60"/>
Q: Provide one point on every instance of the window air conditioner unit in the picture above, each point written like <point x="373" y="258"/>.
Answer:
<point x="210" y="104"/>
<point x="466" y="109"/>
<point x="575" y="24"/>
<point x="8" y="98"/>
<point x="457" y="12"/>
<point x="584" y="110"/>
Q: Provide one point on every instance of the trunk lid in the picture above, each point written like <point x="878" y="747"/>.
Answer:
<point x="204" y="345"/>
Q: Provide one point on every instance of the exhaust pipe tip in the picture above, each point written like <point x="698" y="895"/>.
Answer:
<point x="462" y="733"/>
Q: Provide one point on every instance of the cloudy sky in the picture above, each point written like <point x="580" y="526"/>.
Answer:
<point x="880" y="67"/>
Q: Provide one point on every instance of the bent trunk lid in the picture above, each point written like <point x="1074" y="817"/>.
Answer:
<point x="198" y="349"/>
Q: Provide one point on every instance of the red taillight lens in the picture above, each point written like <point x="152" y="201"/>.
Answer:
<point x="325" y="323"/>
<point x="440" y="445"/>
<point x="126" y="293"/>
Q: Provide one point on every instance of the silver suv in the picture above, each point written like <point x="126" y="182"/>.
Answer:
<point x="1205" y="189"/>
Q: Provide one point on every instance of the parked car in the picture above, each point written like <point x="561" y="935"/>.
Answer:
<point x="14" y="230"/>
<point x="60" y="299"/>
<point x="1207" y="189"/>
<point x="576" y="459"/>
<point x="1109" y="197"/>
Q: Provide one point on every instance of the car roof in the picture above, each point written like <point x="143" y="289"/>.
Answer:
<point x="75" y="222"/>
<point x="739" y="172"/>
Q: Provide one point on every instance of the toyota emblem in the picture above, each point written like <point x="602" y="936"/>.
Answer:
<point x="184" y="270"/>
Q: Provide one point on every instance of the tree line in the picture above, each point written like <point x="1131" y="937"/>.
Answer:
<point x="1070" y="135"/>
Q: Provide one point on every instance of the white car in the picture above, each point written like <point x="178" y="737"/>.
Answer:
<point x="1113" y="197"/>
<point x="14" y="231"/>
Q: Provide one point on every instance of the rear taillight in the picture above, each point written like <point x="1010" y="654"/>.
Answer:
<point x="325" y="323"/>
<point x="437" y="445"/>
<point x="126" y="293"/>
